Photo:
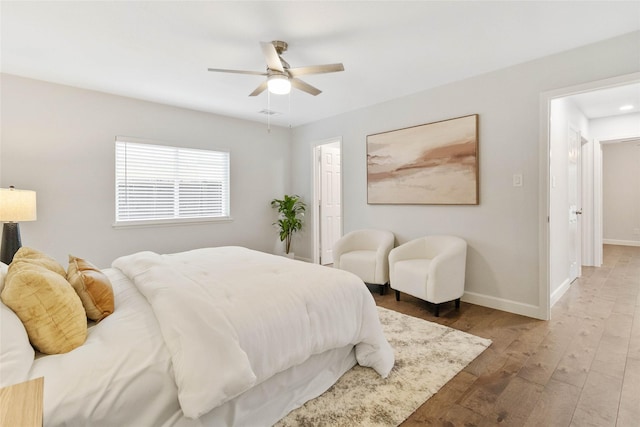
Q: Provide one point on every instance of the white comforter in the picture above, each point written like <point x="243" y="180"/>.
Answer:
<point x="232" y="317"/>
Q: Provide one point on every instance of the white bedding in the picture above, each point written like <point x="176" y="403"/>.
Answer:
<point x="121" y="376"/>
<point x="124" y="375"/>
<point x="231" y="318"/>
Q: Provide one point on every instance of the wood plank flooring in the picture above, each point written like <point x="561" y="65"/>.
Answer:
<point x="581" y="368"/>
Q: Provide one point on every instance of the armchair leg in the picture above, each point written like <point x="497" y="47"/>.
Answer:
<point x="382" y="288"/>
<point x="437" y="310"/>
<point x="397" y="295"/>
<point x="458" y="304"/>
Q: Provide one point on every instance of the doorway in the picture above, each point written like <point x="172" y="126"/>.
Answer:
<point x="621" y="191"/>
<point x="327" y="199"/>
<point x="557" y="264"/>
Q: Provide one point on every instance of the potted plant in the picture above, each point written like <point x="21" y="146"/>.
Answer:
<point x="291" y="210"/>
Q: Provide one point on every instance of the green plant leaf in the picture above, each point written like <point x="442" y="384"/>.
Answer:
<point x="290" y="209"/>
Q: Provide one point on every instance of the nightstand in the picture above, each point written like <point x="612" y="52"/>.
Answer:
<point x="21" y="404"/>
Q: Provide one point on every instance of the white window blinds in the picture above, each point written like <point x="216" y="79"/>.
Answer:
<point x="158" y="182"/>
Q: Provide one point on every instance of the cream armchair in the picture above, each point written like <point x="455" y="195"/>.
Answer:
<point x="365" y="253"/>
<point x="431" y="268"/>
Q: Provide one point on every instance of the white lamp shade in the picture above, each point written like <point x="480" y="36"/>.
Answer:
<point x="17" y="205"/>
<point x="279" y="84"/>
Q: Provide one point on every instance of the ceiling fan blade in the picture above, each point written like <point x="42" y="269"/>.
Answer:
<point x="259" y="89"/>
<point x="305" y="87"/>
<point x="315" y="69"/>
<point x="272" y="57"/>
<point x="255" y="73"/>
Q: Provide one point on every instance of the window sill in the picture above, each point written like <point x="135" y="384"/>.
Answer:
<point x="169" y="222"/>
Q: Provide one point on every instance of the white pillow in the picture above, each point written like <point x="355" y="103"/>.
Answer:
<point x="3" y="272"/>
<point x="16" y="353"/>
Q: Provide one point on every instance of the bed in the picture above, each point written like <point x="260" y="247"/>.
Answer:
<point x="213" y="337"/>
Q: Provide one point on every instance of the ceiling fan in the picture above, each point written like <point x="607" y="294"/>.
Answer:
<point x="280" y="76"/>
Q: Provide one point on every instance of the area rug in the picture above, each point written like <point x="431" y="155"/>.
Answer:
<point x="427" y="355"/>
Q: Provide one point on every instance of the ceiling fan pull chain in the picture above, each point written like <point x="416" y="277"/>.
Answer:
<point x="289" y="110"/>
<point x="268" y="112"/>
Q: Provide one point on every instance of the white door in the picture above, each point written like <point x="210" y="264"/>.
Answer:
<point x="574" y="201"/>
<point x="330" y="196"/>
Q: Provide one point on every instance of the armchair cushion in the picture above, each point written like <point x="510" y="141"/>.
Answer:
<point x="365" y="253"/>
<point x="413" y="273"/>
<point x="360" y="263"/>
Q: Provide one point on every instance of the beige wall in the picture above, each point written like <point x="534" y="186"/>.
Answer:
<point x="59" y="141"/>
<point x="621" y="192"/>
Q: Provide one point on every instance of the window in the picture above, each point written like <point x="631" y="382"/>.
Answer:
<point x="158" y="183"/>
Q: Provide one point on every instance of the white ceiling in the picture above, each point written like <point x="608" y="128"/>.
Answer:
<point x="607" y="102"/>
<point x="160" y="51"/>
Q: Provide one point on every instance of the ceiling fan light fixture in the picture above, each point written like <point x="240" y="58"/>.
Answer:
<point x="280" y="76"/>
<point x="279" y="84"/>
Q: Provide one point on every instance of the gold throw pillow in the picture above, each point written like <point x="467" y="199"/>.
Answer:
<point x="33" y="256"/>
<point x="48" y="307"/>
<point x="92" y="286"/>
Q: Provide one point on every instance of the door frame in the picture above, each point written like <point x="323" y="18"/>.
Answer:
<point x="544" y="181"/>
<point x="316" y="191"/>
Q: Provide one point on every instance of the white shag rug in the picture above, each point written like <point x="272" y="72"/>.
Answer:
<point x="427" y="355"/>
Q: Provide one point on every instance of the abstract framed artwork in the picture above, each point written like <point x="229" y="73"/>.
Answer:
<point x="431" y="164"/>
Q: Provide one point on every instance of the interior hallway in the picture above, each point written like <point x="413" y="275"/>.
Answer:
<point x="581" y="368"/>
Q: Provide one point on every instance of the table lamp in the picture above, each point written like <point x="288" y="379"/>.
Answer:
<point x="15" y="206"/>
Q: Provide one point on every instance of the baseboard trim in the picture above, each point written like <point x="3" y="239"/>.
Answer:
<point x="504" y="305"/>
<point x="557" y="294"/>
<point x="621" y="242"/>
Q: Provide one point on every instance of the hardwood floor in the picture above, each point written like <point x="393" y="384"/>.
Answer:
<point x="581" y="368"/>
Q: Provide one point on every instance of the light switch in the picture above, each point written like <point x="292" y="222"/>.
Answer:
<point x="517" y="180"/>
